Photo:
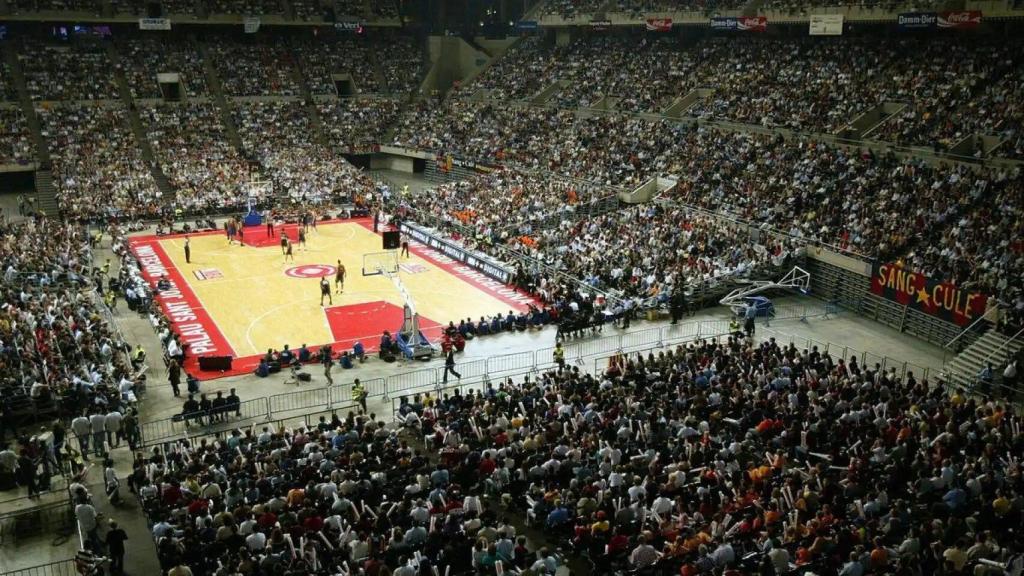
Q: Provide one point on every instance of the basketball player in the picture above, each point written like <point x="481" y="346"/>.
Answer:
<point x="270" y="224"/>
<point x="288" y="250"/>
<point x="241" y="238"/>
<point x="188" y="252"/>
<point x="405" y="246"/>
<point x="229" y="226"/>
<point x="325" y="290"/>
<point x="302" y="237"/>
<point x="339" y="277"/>
<point x="284" y="241"/>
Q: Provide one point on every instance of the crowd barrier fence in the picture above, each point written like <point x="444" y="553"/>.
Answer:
<point x="576" y="352"/>
<point x="265" y="409"/>
<point x="58" y="568"/>
<point x="431" y="379"/>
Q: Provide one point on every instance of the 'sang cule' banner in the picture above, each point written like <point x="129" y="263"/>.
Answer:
<point x="940" y="299"/>
<point x="740" y="24"/>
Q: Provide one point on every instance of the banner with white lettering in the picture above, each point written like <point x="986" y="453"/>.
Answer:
<point x="826" y="25"/>
<point x="740" y="24"/>
<point x="188" y="318"/>
<point x="154" y="23"/>
<point x="483" y="263"/>
<point x="950" y="20"/>
<point x="940" y="299"/>
<point x="960" y="19"/>
<point x="349" y="26"/>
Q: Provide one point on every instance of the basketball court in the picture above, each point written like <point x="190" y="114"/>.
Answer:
<point x="242" y="300"/>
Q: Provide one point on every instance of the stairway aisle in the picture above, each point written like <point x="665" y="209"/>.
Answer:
<point x="138" y="129"/>
<point x="319" y="133"/>
<point x="992" y="347"/>
<point x="46" y="192"/>
<point x="222" y="102"/>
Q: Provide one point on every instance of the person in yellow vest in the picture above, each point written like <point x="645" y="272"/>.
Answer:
<point x="359" y="393"/>
<point x="139" y="356"/>
<point x="559" y="355"/>
<point x="111" y="299"/>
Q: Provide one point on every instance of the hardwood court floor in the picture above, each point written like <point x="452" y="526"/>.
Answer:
<point x="241" y="300"/>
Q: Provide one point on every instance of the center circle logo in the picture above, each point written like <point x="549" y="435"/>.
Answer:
<point x="310" y="271"/>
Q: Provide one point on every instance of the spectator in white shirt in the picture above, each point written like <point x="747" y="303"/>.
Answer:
<point x="112" y="424"/>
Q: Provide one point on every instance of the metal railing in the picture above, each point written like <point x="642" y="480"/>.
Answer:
<point x="575" y="352"/>
<point x="993" y="354"/>
<point x="846" y="353"/>
<point x="864" y="358"/>
<point x="308" y="420"/>
<point x="35" y="521"/>
<point x="58" y="568"/>
<point x="267" y="409"/>
<point x="964" y="332"/>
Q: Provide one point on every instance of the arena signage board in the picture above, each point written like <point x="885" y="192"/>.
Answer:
<point x="348" y="27"/>
<point x="826" y="25"/>
<point x="955" y="20"/>
<point x="527" y="25"/>
<point x="659" y="24"/>
<point x="485" y="264"/>
<point x="940" y="299"/>
<point x="154" y="24"/>
<point x="600" y="24"/>
<point x="961" y="19"/>
<point x="446" y="163"/>
<point x="251" y="24"/>
<point x="740" y="24"/>
<point x="917" y="20"/>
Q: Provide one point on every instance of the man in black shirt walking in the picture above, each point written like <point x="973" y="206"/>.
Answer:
<point x="115" y="545"/>
<point x="449" y="366"/>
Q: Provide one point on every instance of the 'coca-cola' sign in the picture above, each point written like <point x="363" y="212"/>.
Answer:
<point x="960" y="19"/>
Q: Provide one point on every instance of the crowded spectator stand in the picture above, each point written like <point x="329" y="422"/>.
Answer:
<point x="759" y="462"/>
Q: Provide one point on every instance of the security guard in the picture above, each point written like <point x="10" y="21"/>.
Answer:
<point x="559" y="355"/>
<point x="359" y="393"/>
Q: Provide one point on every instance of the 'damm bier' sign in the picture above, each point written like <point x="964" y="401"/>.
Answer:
<point x="941" y="299"/>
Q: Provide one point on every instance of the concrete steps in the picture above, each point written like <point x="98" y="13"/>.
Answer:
<point x="549" y="92"/>
<point x="25" y="101"/>
<point x="992" y="347"/>
<point x="138" y="130"/>
<point x="46" y="192"/>
<point x="223" y="105"/>
<point x="378" y="73"/>
<point x="315" y="121"/>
